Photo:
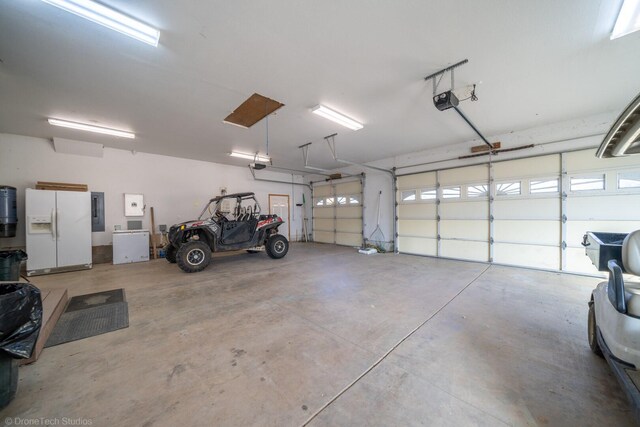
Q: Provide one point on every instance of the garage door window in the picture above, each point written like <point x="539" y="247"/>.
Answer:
<point x="628" y="180"/>
<point x="329" y="201"/>
<point x="428" y="194"/>
<point x="477" y="190"/>
<point x="354" y="200"/>
<point x="451" y="193"/>
<point x="320" y="202"/>
<point x="587" y="183"/>
<point x="543" y="186"/>
<point x="508" y="189"/>
<point x="409" y="196"/>
<point x="342" y="200"/>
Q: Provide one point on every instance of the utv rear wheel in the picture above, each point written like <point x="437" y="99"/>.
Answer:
<point x="277" y="246"/>
<point x="170" y="253"/>
<point x="593" y="331"/>
<point x="193" y="256"/>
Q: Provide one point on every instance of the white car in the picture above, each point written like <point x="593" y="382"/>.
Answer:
<point x="614" y="309"/>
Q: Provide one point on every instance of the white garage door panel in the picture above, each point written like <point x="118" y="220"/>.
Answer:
<point x="577" y="229"/>
<point x="418" y="246"/>
<point x="417" y="211"/>
<point x="349" y="212"/>
<point x="323" y="236"/>
<point x="349" y="225"/>
<point x="620" y="207"/>
<point x="475" y="251"/>
<point x="538" y="208"/>
<point x="538" y="232"/>
<point x="323" y="213"/>
<point x="324" y="224"/>
<point x="578" y="262"/>
<point x="466" y="175"/>
<point x="534" y="166"/>
<point x="418" y="227"/>
<point x="465" y="210"/>
<point x="417" y="181"/>
<point x="465" y="229"/>
<point x="352" y="187"/>
<point x="348" y="239"/>
<point x="527" y="255"/>
<point x="322" y="191"/>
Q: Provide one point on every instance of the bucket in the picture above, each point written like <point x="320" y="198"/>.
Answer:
<point x="10" y="265"/>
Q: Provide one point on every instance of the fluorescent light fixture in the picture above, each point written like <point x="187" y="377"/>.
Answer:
<point x="334" y="116"/>
<point x="247" y="156"/>
<point x="109" y="18"/>
<point x="91" y="128"/>
<point x="628" y="19"/>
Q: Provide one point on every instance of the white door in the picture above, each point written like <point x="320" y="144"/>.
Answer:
<point x="73" y="234"/>
<point x="40" y="207"/>
<point x="279" y="205"/>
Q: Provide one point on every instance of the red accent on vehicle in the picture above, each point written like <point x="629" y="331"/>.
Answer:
<point x="195" y="224"/>
<point x="265" y="222"/>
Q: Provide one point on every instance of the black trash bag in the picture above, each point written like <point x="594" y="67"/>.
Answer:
<point x="20" y="318"/>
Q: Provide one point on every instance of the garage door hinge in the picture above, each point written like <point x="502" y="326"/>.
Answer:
<point x="437" y="201"/>
<point x="438" y="218"/>
<point x="564" y="218"/>
<point x="564" y="196"/>
<point x="564" y="245"/>
<point x="491" y="241"/>
<point x="491" y="218"/>
<point x="439" y="238"/>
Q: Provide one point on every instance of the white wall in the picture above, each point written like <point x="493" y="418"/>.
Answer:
<point x="176" y="188"/>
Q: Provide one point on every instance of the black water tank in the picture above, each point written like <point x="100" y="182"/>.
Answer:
<point x="8" y="211"/>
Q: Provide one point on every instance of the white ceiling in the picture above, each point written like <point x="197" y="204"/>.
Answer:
<point x="539" y="62"/>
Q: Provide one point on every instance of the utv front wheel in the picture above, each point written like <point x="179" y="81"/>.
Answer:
<point x="592" y="331"/>
<point x="170" y="253"/>
<point x="277" y="246"/>
<point x="193" y="256"/>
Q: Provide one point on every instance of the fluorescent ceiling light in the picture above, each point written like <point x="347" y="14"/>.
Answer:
<point x="334" y="116"/>
<point x="254" y="157"/>
<point x="628" y="19"/>
<point x="109" y="18"/>
<point x="91" y="128"/>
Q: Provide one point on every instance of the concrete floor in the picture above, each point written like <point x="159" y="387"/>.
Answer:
<point x="255" y="341"/>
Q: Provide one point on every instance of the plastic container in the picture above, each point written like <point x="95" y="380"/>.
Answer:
<point x="8" y="379"/>
<point x="601" y="247"/>
<point x="10" y="265"/>
<point x="8" y="211"/>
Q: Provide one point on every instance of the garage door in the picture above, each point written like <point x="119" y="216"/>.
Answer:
<point x="528" y="212"/>
<point x="602" y="195"/>
<point x="337" y="213"/>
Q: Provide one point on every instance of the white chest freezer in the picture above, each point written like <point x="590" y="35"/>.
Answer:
<point x="130" y="246"/>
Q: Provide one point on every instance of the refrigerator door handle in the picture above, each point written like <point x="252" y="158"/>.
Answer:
<point x="57" y="231"/>
<point x="53" y="224"/>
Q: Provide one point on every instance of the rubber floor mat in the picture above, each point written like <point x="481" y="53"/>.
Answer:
<point x="89" y="322"/>
<point x="81" y="302"/>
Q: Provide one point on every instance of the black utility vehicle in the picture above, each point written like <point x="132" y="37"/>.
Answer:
<point x="227" y="223"/>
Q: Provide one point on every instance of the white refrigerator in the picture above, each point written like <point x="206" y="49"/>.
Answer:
<point x="58" y="231"/>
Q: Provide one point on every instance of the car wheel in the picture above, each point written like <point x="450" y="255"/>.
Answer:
<point x="193" y="256"/>
<point x="277" y="246"/>
<point x="170" y="253"/>
<point x="592" y="331"/>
